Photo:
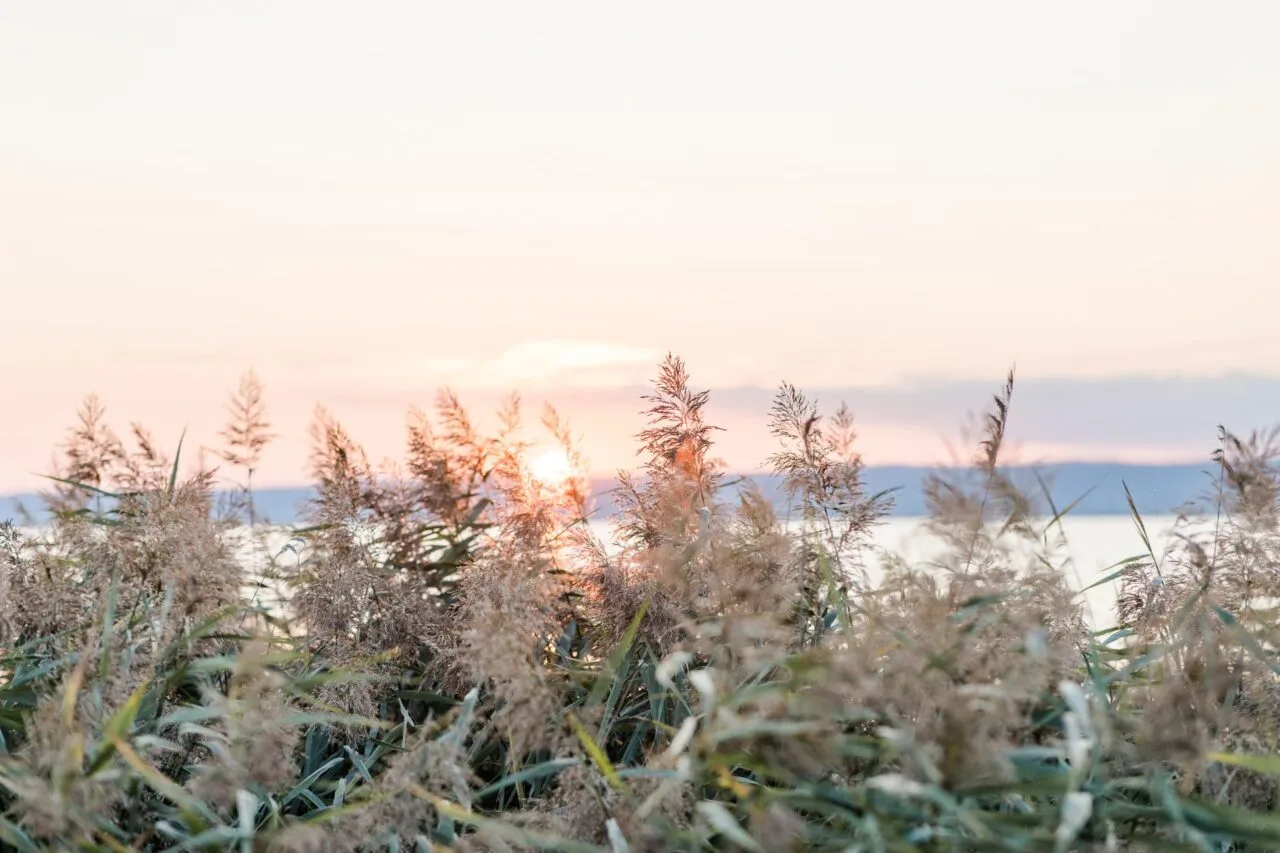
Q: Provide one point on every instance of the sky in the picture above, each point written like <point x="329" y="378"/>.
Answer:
<point x="880" y="202"/>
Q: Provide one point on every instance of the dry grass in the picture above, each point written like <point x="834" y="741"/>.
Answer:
<point x="462" y="665"/>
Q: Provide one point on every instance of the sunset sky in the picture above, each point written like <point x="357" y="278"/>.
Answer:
<point x="889" y="203"/>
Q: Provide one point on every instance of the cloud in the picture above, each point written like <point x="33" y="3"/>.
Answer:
<point x="567" y="361"/>
<point x="537" y="365"/>
<point x="1135" y="419"/>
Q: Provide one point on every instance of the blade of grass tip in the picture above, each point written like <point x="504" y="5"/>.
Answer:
<point x="117" y="727"/>
<point x="457" y="732"/>
<point x="359" y="764"/>
<point x="603" y="683"/>
<point x="1248" y="640"/>
<point x="340" y="793"/>
<point x="309" y="780"/>
<point x="247" y="813"/>
<point x="620" y="678"/>
<point x="325" y="814"/>
<point x="1058" y="515"/>
<point x="617" y="841"/>
<point x="1123" y="675"/>
<point x="719" y="819"/>
<point x="883" y="494"/>
<point x="72" y="692"/>
<point x="597" y="755"/>
<point x="477" y="511"/>
<point x="528" y="774"/>
<point x="316" y="803"/>
<point x="838" y="595"/>
<point x="122" y="720"/>
<point x="1115" y="570"/>
<point x="1142" y="529"/>
<point x="632" y="751"/>
<point x="1218" y="504"/>
<point x="315" y="747"/>
<point x="1268" y="765"/>
<point x="173" y="473"/>
<point x="12" y="835"/>
<point x="85" y="486"/>
<point x="1238" y="823"/>
<point x="1117" y="635"/>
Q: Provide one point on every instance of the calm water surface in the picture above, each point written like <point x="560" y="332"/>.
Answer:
<point x="1094" y="544"/>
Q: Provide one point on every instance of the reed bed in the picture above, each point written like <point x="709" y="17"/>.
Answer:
<point x="446" y="657"/>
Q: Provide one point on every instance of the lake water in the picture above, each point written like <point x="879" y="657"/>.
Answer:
<point x="1094" y="544"/>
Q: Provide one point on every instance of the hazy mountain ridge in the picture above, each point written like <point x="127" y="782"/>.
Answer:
<point x="1098" y="488"/>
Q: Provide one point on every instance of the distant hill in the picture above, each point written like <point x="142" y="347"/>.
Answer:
<point x="1098" y="488"/>
<point x="1094" y="488"/>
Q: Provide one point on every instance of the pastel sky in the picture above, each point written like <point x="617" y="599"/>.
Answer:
<point x="885" y="202"/>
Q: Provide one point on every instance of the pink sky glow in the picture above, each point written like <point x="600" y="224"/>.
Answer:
<point x="368" y="201"/>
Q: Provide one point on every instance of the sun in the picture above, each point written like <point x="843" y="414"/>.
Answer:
<point x="552" y="467"/>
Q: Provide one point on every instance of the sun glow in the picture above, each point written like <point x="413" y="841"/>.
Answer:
<point x="552" y="467"/>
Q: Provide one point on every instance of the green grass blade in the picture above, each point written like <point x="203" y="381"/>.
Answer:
<point x="528" y="774"/>
<point x="173" y="473"/>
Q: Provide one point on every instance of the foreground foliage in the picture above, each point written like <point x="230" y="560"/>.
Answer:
<point x="446" y="658"/>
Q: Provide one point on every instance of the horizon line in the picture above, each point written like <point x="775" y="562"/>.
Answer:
<point x="908" y="466"/>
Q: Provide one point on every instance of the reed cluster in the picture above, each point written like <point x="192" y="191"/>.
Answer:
<point x="454" y="661"/>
